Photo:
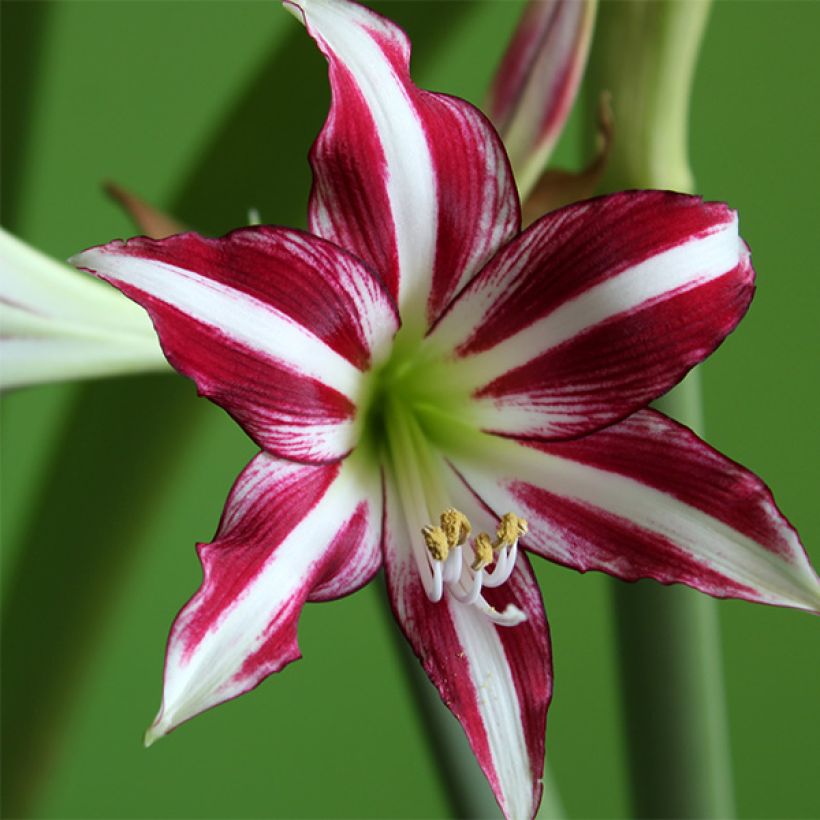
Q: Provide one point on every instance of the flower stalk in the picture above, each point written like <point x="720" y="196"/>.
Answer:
<point x="645" y="55"/>
<point x="668" y="639"/>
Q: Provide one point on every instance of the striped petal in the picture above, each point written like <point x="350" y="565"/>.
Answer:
<point x="289" y="533"/>
<point x="416" y="184"/>
<point x="596" y="310"/>
<point x="646" y="498"/>
<point x="536" y="83"/>
<point x="57" y="324"/>
<point x="276" y="326"/>
<point x="497" y="680"/>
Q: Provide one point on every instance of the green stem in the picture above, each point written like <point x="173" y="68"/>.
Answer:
<point x="645" y="53"/>
<point x="668" y="639"/>
<point x="672" y="682"/>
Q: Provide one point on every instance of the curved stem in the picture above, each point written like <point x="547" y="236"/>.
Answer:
<point x="52" y="619"/>
<point x="668" y="639"/>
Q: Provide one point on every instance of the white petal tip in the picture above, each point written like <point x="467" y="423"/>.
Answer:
<point x="152" y="734"/>
<point x="809" y="597"/>
<point x="295" y="10"/>
<point x="78" y="260"/>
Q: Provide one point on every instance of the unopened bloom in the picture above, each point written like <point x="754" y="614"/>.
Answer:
<point x="57" y="323"/>
<point x="532" y="95"/>
<point x="435" y="391"/>
<point x="535" y="86"/>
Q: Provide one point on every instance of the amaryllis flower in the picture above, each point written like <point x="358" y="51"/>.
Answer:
<point x="435" y="392"/>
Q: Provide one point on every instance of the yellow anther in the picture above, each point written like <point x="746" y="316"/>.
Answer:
<point x="456" y="527"/>
<point x="510" y="529"/>
<point x="483" y="549"/>
<point x="436" y="542"/>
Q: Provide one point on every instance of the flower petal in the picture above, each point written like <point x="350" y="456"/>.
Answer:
<point x="535" y="87"/>
<point x="416" y="184"/>
<point x="58" y="324"/>
<point x="497" y="680"/>
<point x="274" y="325"/>
<point x="34" y="350"/>
<point x="646" y="498"/>
<point x="289" y="533"/>
<point x="43" y="286"/>
<point x="595" y="311"/>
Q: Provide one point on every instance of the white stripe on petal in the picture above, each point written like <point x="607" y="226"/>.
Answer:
<point x="497" y="700"/>
<point x="775" y="579"/>
<point x="242" y="318"/>
<point x="411" y="181"/>
<point x="686" y="266"/>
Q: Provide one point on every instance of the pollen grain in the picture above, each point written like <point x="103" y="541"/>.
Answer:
<point x="510" y="528"/>
<point x="437" y="543"/>
<point x="483" y="550"/>
<point x="456" y="527"/>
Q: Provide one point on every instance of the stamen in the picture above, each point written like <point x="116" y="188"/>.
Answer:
<point x="510" y="529"/>
<point x="456" y="526"/>
<point x="472" y="595"/>
<point x="450" y="566"/>
<point x="483" y="550"/>
<point x="436" y="593"/>
<point x="437" y="543"/>
<point x="512" y="555"/>
<point x="501" y="570"/>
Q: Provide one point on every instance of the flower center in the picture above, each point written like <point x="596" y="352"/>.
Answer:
<point x="448" y="559"/>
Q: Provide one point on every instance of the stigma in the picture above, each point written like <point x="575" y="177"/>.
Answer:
<point x="464" y="566"/>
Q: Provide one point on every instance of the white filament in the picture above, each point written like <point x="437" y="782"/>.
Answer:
<point x="456" y="574"/>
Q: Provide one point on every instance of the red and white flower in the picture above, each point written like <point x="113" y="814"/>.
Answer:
<point x="433" y="391"/>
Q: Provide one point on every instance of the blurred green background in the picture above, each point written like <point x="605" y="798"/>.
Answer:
<point x="208" y="109"/>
